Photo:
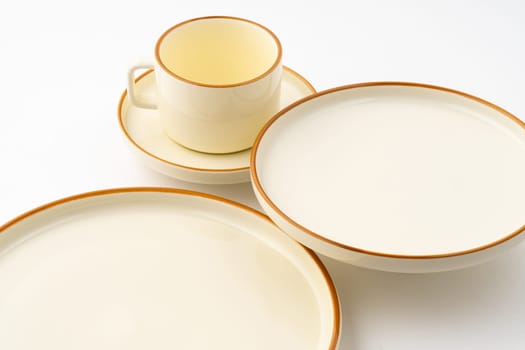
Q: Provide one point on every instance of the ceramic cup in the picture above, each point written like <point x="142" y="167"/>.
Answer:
<point x="218" y="81"/>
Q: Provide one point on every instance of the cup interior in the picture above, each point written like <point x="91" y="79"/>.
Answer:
<point x="218" y="51"/>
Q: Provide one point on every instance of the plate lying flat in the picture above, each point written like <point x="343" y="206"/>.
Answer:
<point x="395" y="176"/>
<point x="149" y="142"/>
<point x="159" y="269"/>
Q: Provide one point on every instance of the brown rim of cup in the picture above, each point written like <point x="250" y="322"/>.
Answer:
<point x="268" y="71"/>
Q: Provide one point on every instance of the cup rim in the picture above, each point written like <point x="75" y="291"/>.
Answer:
<point x="258" y="77"/>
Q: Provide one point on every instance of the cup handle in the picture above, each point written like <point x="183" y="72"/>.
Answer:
<point x="141" y="65"/>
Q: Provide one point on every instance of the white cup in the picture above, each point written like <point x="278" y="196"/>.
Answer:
<point x="218" y="81"/>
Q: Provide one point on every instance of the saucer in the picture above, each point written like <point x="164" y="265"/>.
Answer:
<point x="401" y="177"/>
<point x="152" y="146"/>
<point x="160" y="268"/>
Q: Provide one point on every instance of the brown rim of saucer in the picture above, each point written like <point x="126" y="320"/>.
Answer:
<point x="130" y="139"/>
<point x="268" y="71"/>
<point x="257" y="183"/>
<point x="334" y="337"/>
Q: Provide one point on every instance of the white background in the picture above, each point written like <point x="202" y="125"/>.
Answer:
<point x="63" y="70"/>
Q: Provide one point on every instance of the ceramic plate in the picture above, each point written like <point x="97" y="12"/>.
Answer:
<point x="395" y="176"/>
<point x="150" y="144"/>
<point x="153" y="268"/>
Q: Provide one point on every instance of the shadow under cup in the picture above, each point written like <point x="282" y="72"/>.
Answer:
<point x="218" y="82"/>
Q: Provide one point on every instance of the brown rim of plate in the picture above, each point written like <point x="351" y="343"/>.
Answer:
<point x="130" y="139"/>
<point x="259" y="187"/>
<point x="334" y="338"/>
<point x="268" y="71"/>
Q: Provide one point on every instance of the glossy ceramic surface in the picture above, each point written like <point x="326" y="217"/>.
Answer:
<point x="159" y="268"/>
<point x="144" y="133"/>
<point x="395" y="176"/>
<point x="218" y="80"/>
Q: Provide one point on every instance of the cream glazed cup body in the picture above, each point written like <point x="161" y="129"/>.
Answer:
<point x="208" y="106"/>
<point x="217" y="120"/>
